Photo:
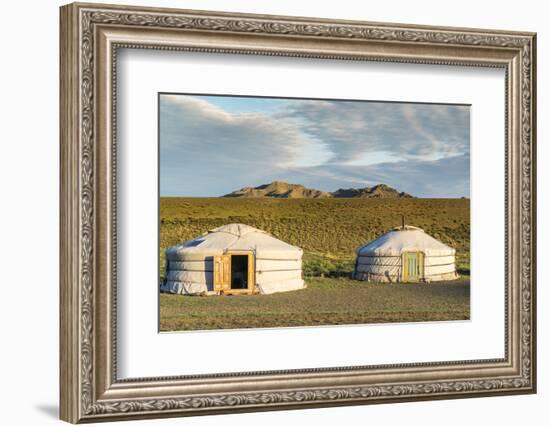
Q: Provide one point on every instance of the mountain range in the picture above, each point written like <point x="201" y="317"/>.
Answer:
<point x="284" y="190"/>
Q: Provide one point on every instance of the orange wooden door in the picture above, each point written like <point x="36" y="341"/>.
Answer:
<point x="222" y="273"/>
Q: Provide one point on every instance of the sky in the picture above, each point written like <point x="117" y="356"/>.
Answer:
<point x="213" y="145"/>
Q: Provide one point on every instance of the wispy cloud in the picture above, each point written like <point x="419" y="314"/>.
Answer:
<point x="207" y="150"/>
<point x="353" y="129"/>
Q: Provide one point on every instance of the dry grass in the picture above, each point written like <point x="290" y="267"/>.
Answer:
<point x="326" y="301"/>
<point x="329" y="230"/>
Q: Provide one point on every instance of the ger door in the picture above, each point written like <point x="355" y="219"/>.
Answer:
<point x="222" y="273"/>
<point x="412" y="269"/>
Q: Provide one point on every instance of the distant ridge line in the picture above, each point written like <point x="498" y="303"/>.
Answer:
<point x="285" y="190"/>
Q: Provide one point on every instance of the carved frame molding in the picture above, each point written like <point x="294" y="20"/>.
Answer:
<point x="90" y="37"/>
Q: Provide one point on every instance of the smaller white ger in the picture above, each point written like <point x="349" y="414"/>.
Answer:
<point x="405" y="254"/>
<point x="233" y="259"/>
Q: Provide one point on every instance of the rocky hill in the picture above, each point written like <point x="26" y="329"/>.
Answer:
<point x="378" y="191"/>
<point x="281" y="189"/>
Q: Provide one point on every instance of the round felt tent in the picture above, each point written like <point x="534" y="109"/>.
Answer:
<point x="405" y="254"/>
<point x="233" y="259"/>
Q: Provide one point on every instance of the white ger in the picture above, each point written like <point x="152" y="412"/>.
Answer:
<point x="233" y="259"/>
<point x="405" y="254"/>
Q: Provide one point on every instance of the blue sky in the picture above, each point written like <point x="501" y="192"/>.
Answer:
<point x="212" y="145"/>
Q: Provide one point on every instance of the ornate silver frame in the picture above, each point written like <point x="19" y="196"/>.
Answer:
<point x="90" y="36"/>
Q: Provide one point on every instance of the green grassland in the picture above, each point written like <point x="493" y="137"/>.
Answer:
<point x="329" y="231"/>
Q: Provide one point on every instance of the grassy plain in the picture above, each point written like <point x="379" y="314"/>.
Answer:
<point x="329" y="231"/>
<point x="326" y="301"/>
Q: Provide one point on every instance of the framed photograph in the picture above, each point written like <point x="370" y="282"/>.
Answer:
<point x="266" y="212"/>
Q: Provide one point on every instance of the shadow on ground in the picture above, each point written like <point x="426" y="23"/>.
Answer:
<point x="49" y="409"/>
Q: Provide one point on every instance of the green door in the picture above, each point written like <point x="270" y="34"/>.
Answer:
<point x="412" y="266"/>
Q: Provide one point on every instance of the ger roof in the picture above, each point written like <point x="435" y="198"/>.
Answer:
<point x="405" y="239"/>
<point x="234" y="237"/>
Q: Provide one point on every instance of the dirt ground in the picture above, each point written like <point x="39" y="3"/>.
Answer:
<point x="326" y="301"/>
